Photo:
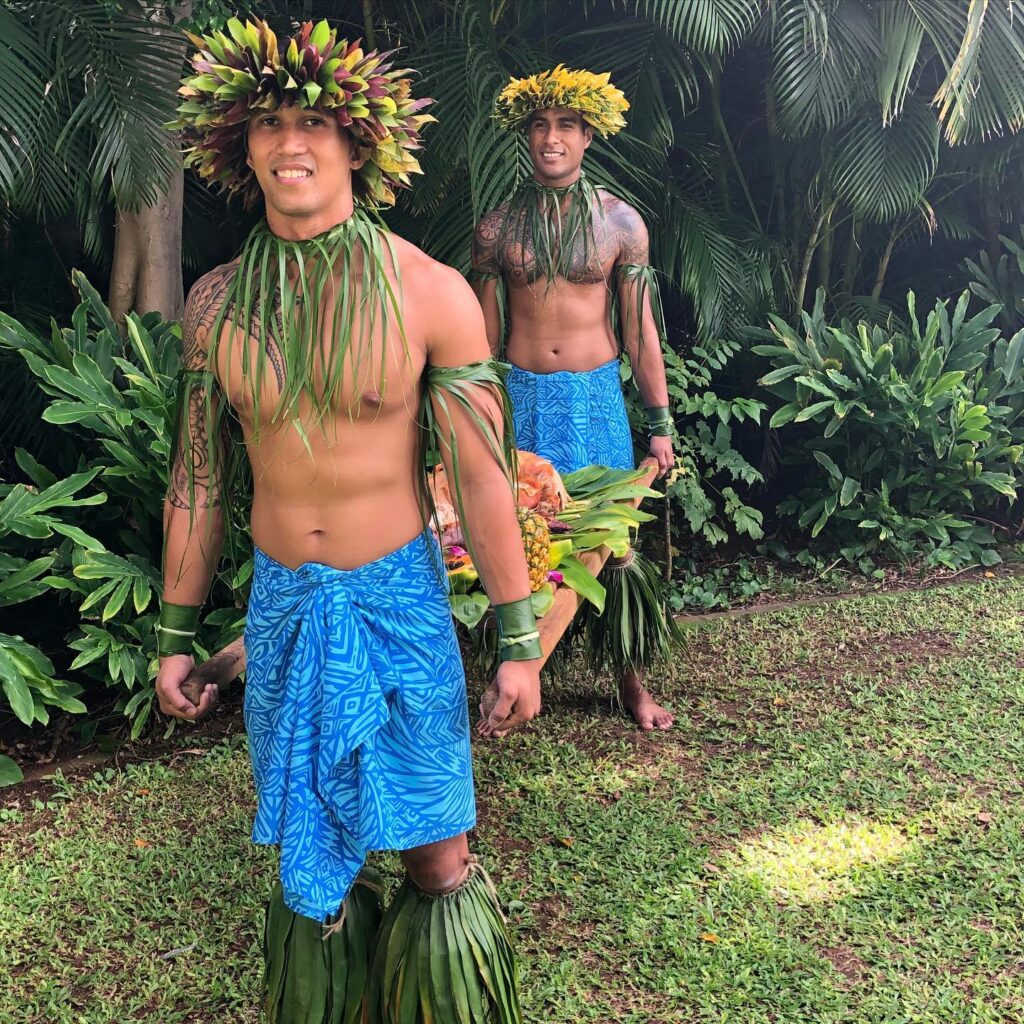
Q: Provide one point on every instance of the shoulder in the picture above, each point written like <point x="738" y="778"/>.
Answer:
<point x="212" y="285"/>
<point x="205" y="299"/>
<point x="627" y="227"/>
<point x="206" y="296"/>
<point x="490" y="223"/>
<point x="620" y="214"/>
<point x="429" y="283"/>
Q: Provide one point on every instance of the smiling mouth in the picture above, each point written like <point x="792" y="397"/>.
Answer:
<point x="292" y="175"/>
<point x="547" y="154"/>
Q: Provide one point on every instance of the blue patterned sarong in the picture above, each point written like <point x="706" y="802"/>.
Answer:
<point x="355" y="706"/>
<point x="572" y="419"/>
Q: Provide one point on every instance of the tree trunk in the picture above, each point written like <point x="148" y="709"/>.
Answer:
<point x="825" y="257"/>
<point x="369" y="34"/>
<point x="851" y="264"/>
<point x="805" y="269"/>
<point x="883" y="265"/>
<point x="146" y="272"/>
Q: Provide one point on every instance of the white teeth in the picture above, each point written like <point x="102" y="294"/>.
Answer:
<point x="293" y="174"/>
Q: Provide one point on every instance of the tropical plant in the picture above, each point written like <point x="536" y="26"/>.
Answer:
<point x="113" y="399"/>
<point x="1000" y="281"/>
<point x="909" y="433"/>
<point x="709" y="467"/>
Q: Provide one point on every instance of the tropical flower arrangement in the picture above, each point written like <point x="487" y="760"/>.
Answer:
<point x="560" y="518"/>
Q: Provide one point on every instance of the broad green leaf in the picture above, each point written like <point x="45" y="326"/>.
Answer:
<point x="10" y="773"/>
<point x="580" y="579"/>
<point x="828" y="463"/>
<point x="850" y="490"/>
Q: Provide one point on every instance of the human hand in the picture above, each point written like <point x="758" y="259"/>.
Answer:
<point x="174" y="670"/>
<point x="661" y="449"/>
<point x="512" y="699"/>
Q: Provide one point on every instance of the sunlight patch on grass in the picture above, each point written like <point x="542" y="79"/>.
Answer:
<point x="808" y="862"/>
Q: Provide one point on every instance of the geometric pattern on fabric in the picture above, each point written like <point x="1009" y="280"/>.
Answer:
<point x="572" y="419"/>
<point x="355" y="708"/>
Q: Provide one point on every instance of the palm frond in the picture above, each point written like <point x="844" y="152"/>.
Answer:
<point x="882" y="171"/>
<point x="97" y="116"/>
<point x="707" y="27"/>
<point x="24" y="71"/>
<point x="981" y="47"/>
<point x="693" y="246"/>
<point x="822" y="52"/>
<point x="900" y="35"/>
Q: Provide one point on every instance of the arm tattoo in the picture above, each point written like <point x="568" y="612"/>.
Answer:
<point x="630" y="233"/>
<point x="192" y="483"/>
<point x="486" y="243"/>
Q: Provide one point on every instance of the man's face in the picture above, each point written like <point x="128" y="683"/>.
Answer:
<point x="303" y="162"/>
<point x="558" y="138"/>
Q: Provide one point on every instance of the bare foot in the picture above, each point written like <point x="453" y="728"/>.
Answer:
<point x="646" y="711"/>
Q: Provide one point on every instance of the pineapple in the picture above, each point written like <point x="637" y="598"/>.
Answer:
<point x="537" y="544"/>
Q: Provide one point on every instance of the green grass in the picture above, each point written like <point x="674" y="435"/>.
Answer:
<point x="833" y="833"/>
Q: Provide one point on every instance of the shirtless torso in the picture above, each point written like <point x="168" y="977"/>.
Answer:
<point x="567" y="325"/>
<point x="324" y="503"/>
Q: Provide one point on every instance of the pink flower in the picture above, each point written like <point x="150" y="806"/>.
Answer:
<point x="456" y="552"/>
<point x="555" y="577"/>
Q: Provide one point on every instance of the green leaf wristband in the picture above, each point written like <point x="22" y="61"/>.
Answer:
<point x="518" y="637"/>
<point x="176" y="628"/>
<point x="659" y="421"/>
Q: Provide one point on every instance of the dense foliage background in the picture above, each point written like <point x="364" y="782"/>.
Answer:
<point x="833" y="193"/>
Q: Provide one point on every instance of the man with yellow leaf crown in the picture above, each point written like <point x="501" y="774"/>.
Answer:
<point x="573" y="260"/>
<point x="335" y="353"/>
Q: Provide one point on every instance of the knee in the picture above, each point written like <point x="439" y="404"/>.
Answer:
<point x="439" y="867"/>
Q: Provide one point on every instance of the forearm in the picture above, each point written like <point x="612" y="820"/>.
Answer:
<point x="648" y="366"/>
<point x="493" y="531"/>
<point x="192" y="547"/>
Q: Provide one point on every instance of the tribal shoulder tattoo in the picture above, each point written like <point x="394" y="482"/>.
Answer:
<point x="193" y="483"/>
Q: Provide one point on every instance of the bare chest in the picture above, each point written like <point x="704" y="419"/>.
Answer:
<point x="357" y="374"/>
<point x="581" y="258"/>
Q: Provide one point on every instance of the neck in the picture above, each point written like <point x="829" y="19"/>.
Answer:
<point x="562" y="182"/>
<point x="296" y="228"/>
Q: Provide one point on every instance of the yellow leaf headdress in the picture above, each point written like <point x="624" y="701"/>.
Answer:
<point x="592" y="96"/>
<point x="245" y="68"/>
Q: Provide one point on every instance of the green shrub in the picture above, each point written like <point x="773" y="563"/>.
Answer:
<point x="708" y="467"/>
<point x="902" y="437"/>
<point x="114" y="400"/>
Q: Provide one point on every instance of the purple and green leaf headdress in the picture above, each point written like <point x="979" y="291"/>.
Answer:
<point x="245" y="69"/>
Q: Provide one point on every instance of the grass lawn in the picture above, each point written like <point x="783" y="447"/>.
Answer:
<point x="833" y="832"/>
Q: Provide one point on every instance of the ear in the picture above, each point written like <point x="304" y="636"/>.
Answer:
<point x="358" y="154"/>
<point x="588" y="135"/>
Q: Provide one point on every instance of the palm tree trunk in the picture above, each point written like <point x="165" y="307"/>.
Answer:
<point x="883" y="265"/>
<point x="370" y="35"/>
<point x="146" y="272"/>
<point x="825" y="257"/>
<point x="851" y="262"/>
<point x="805" y="269"/>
